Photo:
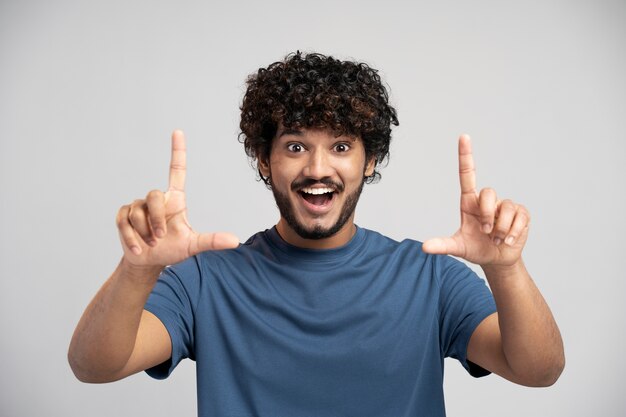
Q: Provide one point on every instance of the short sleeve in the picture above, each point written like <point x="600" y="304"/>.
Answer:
<point x="464" y="302"/>
<point x="173" y="300"/>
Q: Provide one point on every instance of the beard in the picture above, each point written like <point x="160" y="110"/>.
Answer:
<point x="317" y="231"/>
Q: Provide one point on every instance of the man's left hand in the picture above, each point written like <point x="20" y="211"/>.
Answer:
<point x="492" y="232"/>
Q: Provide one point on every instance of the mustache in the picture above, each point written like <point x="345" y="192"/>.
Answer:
<point x="309" y="182"/>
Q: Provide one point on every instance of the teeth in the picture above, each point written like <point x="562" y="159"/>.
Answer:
<point x="317" y="191"/>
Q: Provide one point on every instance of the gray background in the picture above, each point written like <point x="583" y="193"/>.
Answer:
<point x="90" y="92"/>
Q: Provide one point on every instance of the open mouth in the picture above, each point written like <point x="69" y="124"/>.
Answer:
<point x="317" y="196"/>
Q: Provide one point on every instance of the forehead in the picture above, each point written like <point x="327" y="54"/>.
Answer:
<point x="312" y="134"/>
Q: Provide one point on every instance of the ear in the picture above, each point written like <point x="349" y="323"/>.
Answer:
<point x="264" y="167"/>
<point x="369" y="167"/>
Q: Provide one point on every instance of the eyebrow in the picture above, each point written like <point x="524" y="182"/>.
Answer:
<point x="294" y="132"/>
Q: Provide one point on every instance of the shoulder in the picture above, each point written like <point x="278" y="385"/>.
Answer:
<point x="376" y="241"/>
<point x="409" y="251"/>
<point x="403" y="256"/>
<point x="373" y="236"/>
<point x="255" y="247"/>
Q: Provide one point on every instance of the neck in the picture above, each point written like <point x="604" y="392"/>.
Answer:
<point x="340" y="238"/>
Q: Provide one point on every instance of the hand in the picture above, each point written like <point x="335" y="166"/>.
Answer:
<point x="155" y="231"/>
<point x="492" y="232"/>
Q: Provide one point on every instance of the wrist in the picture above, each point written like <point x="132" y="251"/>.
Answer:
<point x="140" y="274"/>
<point x="504" y="271"/>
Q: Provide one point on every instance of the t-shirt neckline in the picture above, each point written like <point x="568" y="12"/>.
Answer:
<point x="316" y="255"/>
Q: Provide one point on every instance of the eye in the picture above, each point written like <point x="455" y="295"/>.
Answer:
<point x="295" y="147"/>
<point x="341" y="147"/>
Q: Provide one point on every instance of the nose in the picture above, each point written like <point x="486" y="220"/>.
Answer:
<point x="318" y="165"/>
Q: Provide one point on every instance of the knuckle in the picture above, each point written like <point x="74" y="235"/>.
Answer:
<point x="127" y="235"/>
<point x="154" y="194"/>
<point x="488" y="191"/>
<point x="121" y="215"/>
<point x="137" y="205"/>
<point x="524" y="217"/>
<point x="507" y="205"/>
<point x="136" y="216"/>
<point x="524" y="211"/>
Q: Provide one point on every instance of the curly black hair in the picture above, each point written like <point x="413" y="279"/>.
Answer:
<point x="317" y="91"/>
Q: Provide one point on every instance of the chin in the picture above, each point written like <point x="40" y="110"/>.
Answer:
<point x="315" y="232"/>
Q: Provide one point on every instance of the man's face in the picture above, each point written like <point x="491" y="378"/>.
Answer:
<point x="316" y="179"/>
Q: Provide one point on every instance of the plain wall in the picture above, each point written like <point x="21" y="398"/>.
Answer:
<point x="90" y="92"/>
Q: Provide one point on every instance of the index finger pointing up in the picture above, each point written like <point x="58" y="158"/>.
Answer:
<point x="467" y="171"/>
<point x="178" y="162"/>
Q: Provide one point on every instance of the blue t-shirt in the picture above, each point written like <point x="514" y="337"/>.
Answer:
<point x="361" y="330"/>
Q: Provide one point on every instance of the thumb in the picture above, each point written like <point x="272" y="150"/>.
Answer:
<point x="214" y="241"/>
<point x="442" y="246"/>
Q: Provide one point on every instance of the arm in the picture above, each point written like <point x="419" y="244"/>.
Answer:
<point x="116" y="337"/>
<point x="521" y="342"/>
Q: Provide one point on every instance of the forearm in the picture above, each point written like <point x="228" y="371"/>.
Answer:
<point x="105" y="335"/>
<point x="531" y="341"/>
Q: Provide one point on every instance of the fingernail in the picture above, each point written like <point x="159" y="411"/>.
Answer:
<point x="487" y="228"/>
<point x="497" y="241"/>
<point x="509" y="240"/>
<point x="159" y="232"/>
<point x="152" y="243"/>
<point x="136" y="250"/>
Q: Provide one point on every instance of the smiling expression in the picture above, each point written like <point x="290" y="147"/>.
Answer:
<point x="316" y="179"/>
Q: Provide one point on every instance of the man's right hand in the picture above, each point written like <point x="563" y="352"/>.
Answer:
<point x="116" y="337"/>
<point x="155" y="231"/>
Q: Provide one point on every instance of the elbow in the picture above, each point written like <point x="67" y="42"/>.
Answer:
<point x="547" y="376"/>
<point x="76" y="370"/>
<point x="79" y="372"/>
<point x="74" y="360"/>
<point x="90" y="378"/>
<point x="86" y="374"/>
<point x="554" y="373"/>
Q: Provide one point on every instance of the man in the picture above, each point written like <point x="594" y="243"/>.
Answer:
<point x="317" y="316"/>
